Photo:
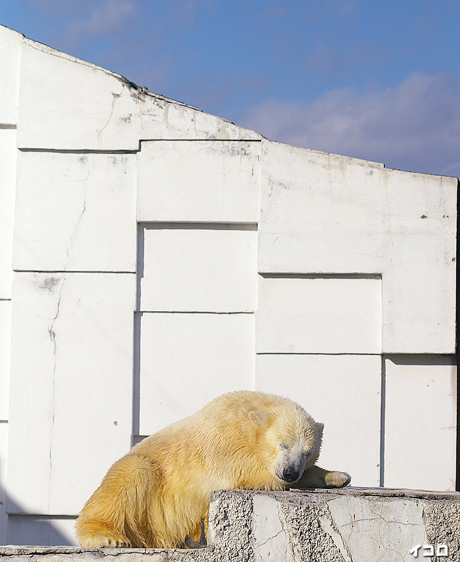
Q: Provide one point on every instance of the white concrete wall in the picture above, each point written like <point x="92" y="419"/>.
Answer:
<point x="153" y="257"/>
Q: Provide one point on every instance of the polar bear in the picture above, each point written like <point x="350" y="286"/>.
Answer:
<point x="157" y="495"/>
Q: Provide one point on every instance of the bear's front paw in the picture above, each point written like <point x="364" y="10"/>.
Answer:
<point x="337" y="479"/>
<point x="107" y="540"/>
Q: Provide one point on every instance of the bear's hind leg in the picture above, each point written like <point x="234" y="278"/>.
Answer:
<point x="116" y="514"/>
<point x="93" y="534"/>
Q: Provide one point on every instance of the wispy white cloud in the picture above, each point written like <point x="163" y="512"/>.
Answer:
<point x="104" y="19"/>
<point x="77" y="27"/>
<point x="340" y="63"/>
<point x="414" y="126"/>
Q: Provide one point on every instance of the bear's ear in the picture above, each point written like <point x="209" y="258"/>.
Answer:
<point x="260" y="419"/>
<point x="319" y="429"/>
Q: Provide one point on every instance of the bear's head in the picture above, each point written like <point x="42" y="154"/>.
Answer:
<point x="290" y="440"/>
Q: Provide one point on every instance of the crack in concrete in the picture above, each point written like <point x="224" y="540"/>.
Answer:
<point x="269" y="539"/>
<point x="79" y="219"/>
<point x="52" y="334"/>
<point x="383" y="519"/>
<point x="51" y="329"/>
<point x="379" y="521"/>
<point x="115" y="96"/>
<point x="379" y="518"/>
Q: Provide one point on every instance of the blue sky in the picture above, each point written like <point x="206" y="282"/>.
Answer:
<point x="374" y="80"/>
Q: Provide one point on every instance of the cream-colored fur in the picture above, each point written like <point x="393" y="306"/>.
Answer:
<point x="157" y="494"/>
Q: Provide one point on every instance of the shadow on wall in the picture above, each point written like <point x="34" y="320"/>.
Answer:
<point x="34" y="530"/>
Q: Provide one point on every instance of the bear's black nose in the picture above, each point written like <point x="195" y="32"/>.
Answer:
<point x="290" y="474"/>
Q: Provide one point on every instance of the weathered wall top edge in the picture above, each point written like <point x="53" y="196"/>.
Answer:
<point x="360" y="161"/>
<point x="323" y="153"/>
<point x="246" y="134"/>
<point x="387" y="493"/>
<point x="9" y="30"/>
<point x="347" y="491"/>
<point x="451" y="179"/>
<point x="134" y="88"/>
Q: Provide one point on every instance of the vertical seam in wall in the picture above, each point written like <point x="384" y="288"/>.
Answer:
<point x="382" y="421"/>
<point x="139" y="264"/>
<point x="457" y="483"/>
<point x="136" y="375"/>
<point x="382" y="389"/>
<point x="137" y="334"/>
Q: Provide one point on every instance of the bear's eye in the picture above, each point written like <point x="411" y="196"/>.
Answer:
<point x="284" y="445"/>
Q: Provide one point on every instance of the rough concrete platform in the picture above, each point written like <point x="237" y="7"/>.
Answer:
<point x="350" y="525"/>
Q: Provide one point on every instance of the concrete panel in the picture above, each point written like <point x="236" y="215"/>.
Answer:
<point x="83" y="106"/>
<point x="7" y="195"/>
<point x="5" y="343"/>
<point x="343" y="392"/>
<point x="189" y="359"/>
<point x="420" y="423"/>
<point x="302" y="314"/>
<point x="10" y="67"/>
<point x="199" y="181"/>
<point x="72" y="358"/>
<point x="204" y="268"/>
<point x="343" y="211"/>
<point x="3" y="464"/>
<point x="75" y="212"/>
<point x="322" y="213"/>
<point x="319" y="212"/>
<point x="30" y="530"/>
<point x="419" y="295"/>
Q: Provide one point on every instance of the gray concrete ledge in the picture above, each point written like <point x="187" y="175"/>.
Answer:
<point x="74" y="554"/>
<point x="346" y="525"/>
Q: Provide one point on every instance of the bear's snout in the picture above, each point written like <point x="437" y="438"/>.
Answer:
<point x="291" y="474"/>
<point x="291" y="465"/>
